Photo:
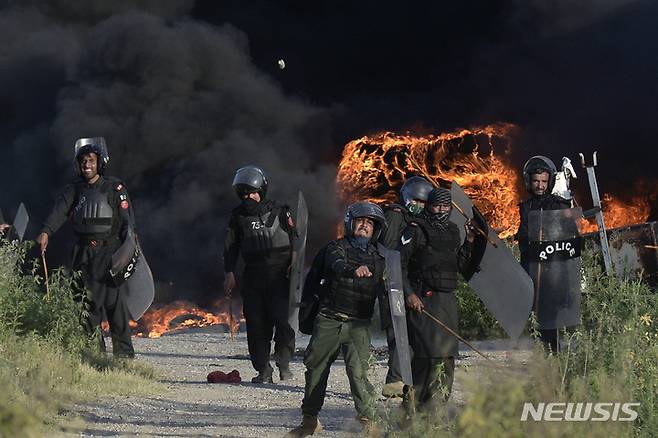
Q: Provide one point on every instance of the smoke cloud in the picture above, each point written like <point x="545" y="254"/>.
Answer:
<point x="181" y="106"/>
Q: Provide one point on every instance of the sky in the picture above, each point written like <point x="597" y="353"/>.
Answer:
<point x="188" y="91"/>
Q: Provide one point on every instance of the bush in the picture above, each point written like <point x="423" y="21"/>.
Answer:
<point x="611" y="357"/>
<point x="46" y="357"/>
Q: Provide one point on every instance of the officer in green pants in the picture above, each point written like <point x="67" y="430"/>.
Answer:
<point x="354" y="270"/>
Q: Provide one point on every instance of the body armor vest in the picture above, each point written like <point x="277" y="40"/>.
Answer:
<point x="92" y="213"/>
<point x="356" y="296"/>
<point x="262" y="236"/>
<point x="437" y="262"/>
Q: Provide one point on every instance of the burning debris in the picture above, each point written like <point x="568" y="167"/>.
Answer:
<point x="374" y="168"/>
<point x="181" y="314"/>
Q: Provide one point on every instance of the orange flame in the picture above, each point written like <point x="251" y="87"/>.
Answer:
<point x="374" y="168"/>
<point x="183" y="314"/>
<point x="618" y="213"/>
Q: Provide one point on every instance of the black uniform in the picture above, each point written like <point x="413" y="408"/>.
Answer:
<point x="546" y="202"/>
<point x="431" y="257"/>
<point x="101" y="218"/>
<point x="263" y="234"/>
<point x="397" y="219"/>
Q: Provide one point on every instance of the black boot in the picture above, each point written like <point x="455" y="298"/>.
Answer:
<point x="264" y="376"/>
<point x="284" y="371"/>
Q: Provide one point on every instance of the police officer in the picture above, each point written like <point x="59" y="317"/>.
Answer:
<point x="99" y="210"/>
<point x="263" y="232"/>
<point x="539" y="176"/>
<point x="354" y="269"/>
<point x="413" y="196"/>
<point x="432" y="255"/>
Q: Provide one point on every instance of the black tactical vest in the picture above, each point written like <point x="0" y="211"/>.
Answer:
<point x="263" y="236"/>
<point x="436" y="265"/>
<point x="92" y="213"/>
<point x="351" y="295"/>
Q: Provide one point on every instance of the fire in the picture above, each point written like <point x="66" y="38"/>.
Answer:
<point x="183" y="314"/>
<point x="618" y="213"/>
<point x="374" y="168"/>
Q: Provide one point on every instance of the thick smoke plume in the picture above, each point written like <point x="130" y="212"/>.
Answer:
<point x="181" y="106"/>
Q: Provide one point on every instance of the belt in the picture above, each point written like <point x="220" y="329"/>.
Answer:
<point x="93" y="243"/>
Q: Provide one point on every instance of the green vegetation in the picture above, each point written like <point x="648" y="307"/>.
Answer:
<point x="46" y="359"/>
<point x="611" y="357"/>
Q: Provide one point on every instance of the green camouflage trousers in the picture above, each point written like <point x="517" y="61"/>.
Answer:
<point x="329" y="337"/>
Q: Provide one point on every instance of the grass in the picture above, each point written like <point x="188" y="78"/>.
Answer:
<point x="47" y="362"/>
<point x="611" y="357"/>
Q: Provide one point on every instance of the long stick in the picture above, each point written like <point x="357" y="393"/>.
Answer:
<point x="459" y="209"/>
<point x="452" y="332"/>
<point x="45" y="271"/>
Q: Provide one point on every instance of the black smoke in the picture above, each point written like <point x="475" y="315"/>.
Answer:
<point x="187" y="91"/>
<point x="181" y="106"/>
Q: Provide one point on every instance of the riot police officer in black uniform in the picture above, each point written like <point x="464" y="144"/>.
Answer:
<point x="432" y="255"/>
<point x="413" y="196"/>
<point x="353" y="270"/>
<point x="539" y="177"/>
<point x="262" y="231"/>
<point x="99" y="210"/>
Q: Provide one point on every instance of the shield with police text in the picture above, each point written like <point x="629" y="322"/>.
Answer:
<point x="554" y="255"/>
<point x="498" y="279"/>
<point x="130" y="271"/>
<point x="297" y="268"/>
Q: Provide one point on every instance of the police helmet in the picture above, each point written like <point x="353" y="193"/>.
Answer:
<point x="250" y="179"/>
<point x="94" y="145"/>
<point x="365" y="209"/>
<point x="415" y="187"/>
<point x="538" y="164"/>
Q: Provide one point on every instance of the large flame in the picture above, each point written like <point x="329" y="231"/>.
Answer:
<point x="374" y="168"/>
<point x="177" y="315"/>
<point x="619" y="213"/>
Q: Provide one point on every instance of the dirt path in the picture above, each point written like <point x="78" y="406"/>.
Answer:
<point x="192" y="407"/>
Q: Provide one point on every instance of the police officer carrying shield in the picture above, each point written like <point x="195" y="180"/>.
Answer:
<point x="262" y="231"/>
<point x="413" y="196"/>
<point x="354" y="269"/>
<point x="99" y="210"/>
<point x="539" y="176"/>
<point x="432" y="255"/>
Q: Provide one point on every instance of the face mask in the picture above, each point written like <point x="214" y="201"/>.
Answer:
<point x="414" y="208"/>
<point x="360" y="242"/>
<point x="248" y="202"/>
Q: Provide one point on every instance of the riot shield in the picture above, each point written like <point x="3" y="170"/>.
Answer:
<point x="130" y="271"/>
<point x="398" y="312"/>
<point x="18" y="227"/>
<point x="297" y="269"/>
<point x="554" y="254"/>
<point x="124" y="260"/>
<point x="501" y="283"/>
<point x="20" y="222"/>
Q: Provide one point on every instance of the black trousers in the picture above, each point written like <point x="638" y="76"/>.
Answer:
<point x="433" y="377"/>
<point x="265" y="297"/>
<point x="549" y="338"/>
<point x="103" y="296"/>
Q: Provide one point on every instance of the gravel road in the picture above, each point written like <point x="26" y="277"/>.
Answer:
<point x="192" y="407"/>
